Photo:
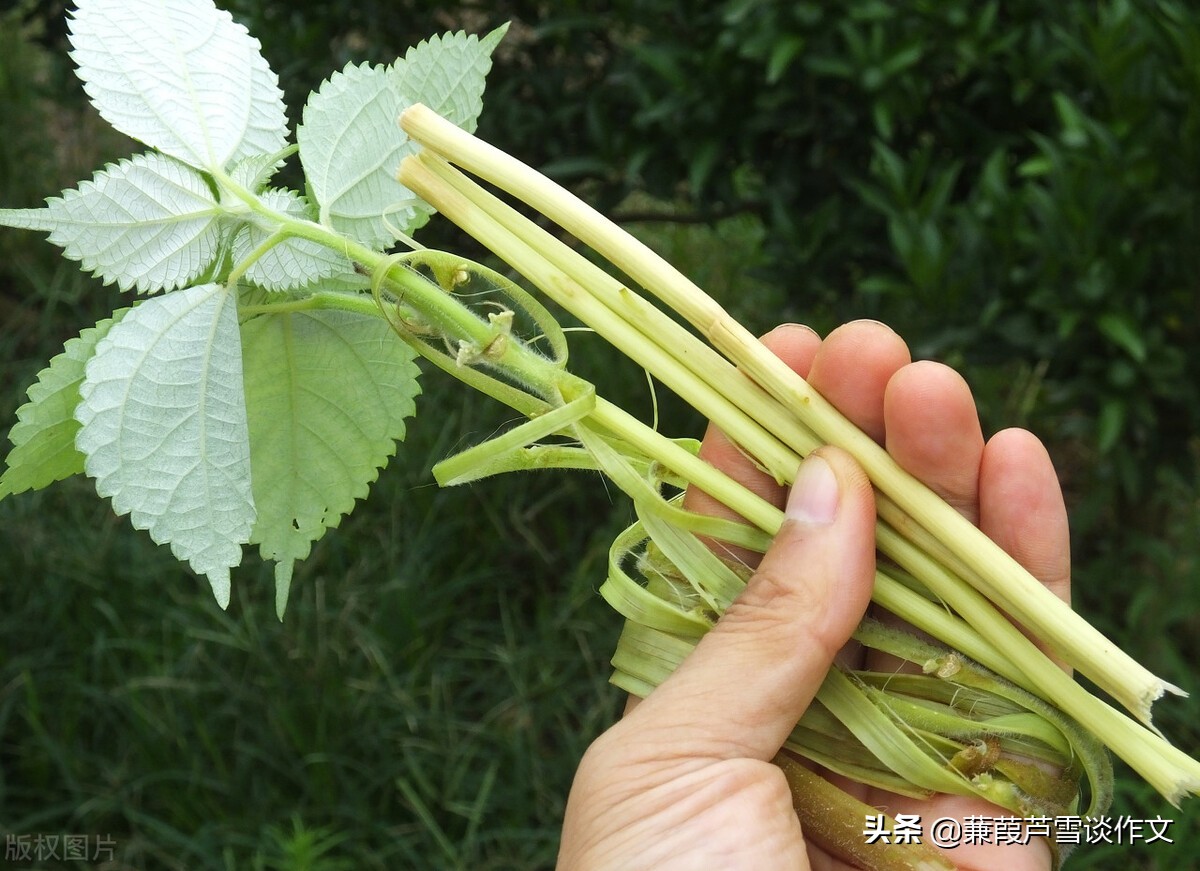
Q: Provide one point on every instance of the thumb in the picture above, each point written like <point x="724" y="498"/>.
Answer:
<point x="740" y="692"/>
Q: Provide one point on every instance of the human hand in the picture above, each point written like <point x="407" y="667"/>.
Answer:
<point x="684" y="780"/>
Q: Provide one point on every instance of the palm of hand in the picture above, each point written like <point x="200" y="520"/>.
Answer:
<point x="654" y="793"/>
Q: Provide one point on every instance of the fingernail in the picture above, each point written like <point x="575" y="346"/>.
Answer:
<point x="794" y="326"/>
<point x="814" y="496"/>
<point x="875" y="323"/>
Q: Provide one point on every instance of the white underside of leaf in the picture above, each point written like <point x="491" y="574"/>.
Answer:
<point x="181" y="76"/>
<point x="163" y="427"/>
<point x="448" y="73"/>
<point x="149" y="223"/>
<point x="292" y="263"/>
<point x="351" y="144"/>
<point x="255" y="171"/>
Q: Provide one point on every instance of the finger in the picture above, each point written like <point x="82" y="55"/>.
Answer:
<point x="932" y="430"/>
<point x="1021" y="507"/>
<point x="796" y="345"/>
<point x="852" y="369"/>
<point x="748" y="681"/>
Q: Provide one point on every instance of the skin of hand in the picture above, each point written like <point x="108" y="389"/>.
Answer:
<point x="684" y="779"/>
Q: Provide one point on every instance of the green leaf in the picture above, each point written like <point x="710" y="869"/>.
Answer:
<point x="784" y="52"/>
<point x="1110" y="423"/>
<point x="292" y="263"/>
<point x="44" y="435"/>
<point x="327" y="393"/>
<point x="448" y="74"/>
<point x="1122" y="331"/>
<point x="350" y="141"/>
<point x="149" y="223"/>
<point x="180" y="76"/>
<point x="255" y="171"/>
<point x="1074" y="122"/>
<point x="164" y="427"/>
<point x="350" y="147"/>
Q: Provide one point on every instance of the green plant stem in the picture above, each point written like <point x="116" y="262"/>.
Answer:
<point x="997" y="575"/>
<point x="780" y="461"/>
<point x="642" y="332"/>
<point x="835" y="820"/>
<point x="321" y="299"/>
<point x="441" y="311"/>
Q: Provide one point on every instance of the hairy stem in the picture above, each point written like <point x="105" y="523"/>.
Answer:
<point x="836" y="820"/>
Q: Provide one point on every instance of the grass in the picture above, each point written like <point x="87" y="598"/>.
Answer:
<point x="423" y="705"/>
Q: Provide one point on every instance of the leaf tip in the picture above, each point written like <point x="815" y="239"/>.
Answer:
<point x="492" y="39"/>
<point x="219" y="581"/>
<point x="283" y="586"/>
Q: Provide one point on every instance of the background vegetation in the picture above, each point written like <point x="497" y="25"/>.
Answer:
<point x="1012" y="186"/>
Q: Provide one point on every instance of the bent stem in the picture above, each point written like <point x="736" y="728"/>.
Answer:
<point x="983" y="564"/>
<point x="836" y="820"/>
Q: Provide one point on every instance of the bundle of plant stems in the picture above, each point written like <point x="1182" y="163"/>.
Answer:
<point x="986" y="713"/>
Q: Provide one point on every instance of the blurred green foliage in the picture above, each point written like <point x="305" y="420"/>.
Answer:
<point x="1012" y="185"/>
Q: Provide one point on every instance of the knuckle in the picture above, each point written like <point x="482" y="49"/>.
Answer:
<point x="772" y="601"/>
